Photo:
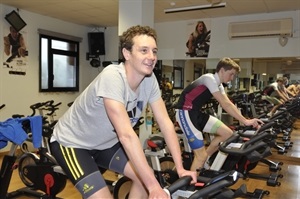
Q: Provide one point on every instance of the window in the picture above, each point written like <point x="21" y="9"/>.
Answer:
<point x="59" y="64"/>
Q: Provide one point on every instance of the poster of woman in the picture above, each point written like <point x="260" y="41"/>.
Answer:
<point x="198" y="39"/>
<point x="15" y="51"/>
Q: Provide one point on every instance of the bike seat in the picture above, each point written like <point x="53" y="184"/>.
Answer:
<point x="156" y="142"/>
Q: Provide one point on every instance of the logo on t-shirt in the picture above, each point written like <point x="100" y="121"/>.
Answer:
<point x="135" y="112"/>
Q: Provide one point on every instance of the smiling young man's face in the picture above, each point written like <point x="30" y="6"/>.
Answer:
<point x="143" y="55"/>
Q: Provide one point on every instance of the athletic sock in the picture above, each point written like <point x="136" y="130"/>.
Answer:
<point x="207" y="163"/>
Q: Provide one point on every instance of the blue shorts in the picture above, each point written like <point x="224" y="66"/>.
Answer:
<point x="193" y="123"/>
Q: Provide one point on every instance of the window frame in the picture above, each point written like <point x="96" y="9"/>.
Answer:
<point x="51" y="53"/>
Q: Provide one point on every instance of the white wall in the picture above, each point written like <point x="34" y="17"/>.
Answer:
<point x="172" y="37"/>
<point x="18" y="92"/>
<point x="221" y="45"/>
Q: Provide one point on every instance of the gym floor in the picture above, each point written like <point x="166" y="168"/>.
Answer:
<point x="289" y="188"/>
<point x="290" y="182"/>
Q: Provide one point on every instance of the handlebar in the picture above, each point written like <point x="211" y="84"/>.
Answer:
<point x="211" y="185"/>
<point x="243" y="148"/>
<point x="206" y="191"/>
<point x="36" y="105"/>
<point x="264" y="127"/>
<point x="2" y="106"/>
<point x="53" y="108"/>
<point x="39" y="105"/>
<point x="217" y="184"/>
<point x="48" y="104"/>
<point x="178" y="184"/>
<point x="229" y="175"/>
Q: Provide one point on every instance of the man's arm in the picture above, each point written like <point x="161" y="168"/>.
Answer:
<point x="291" y="90"/>
<point x="282" y="95"/>
<point x="130" y="141"/>
<point x="284" y="91"/>
<point x="229" y="107"/>
<point x="168" y="130"/>
<point x="232" y="110"/>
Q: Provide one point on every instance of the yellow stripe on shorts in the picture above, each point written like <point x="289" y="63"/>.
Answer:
<point x="73" y="165"/>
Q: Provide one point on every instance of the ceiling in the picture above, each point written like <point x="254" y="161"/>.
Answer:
<point x="104" y="13"/>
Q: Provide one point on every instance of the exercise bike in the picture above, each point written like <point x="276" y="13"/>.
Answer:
<point x="41" y="171"/>
<point x="37" y="172"/>
<point x="162" y="164"/>
<point x="244" y="155"/>
<point x="165" y="172"/>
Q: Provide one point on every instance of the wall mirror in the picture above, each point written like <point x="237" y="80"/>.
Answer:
<point x="173" y="71"/>
<point x="255" y="75"/>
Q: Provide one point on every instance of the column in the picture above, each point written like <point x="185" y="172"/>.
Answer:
<point x="135" y="12"/>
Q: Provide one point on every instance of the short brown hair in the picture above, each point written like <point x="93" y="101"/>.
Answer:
<point x="280" y="79"/>
<point x="126" y="39"/>
<point x="228" y="64"/>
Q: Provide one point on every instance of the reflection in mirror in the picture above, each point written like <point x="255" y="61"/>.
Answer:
<point x="178" y="77"/>
<point x="197" y="71"/>
<point x="199" y="68"/>
<point x="256" y="73"/>
<point x="166" y="81"/>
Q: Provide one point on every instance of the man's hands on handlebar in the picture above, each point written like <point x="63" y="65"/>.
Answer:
<point x="193" y="174"/>
<point x="256" y="123"/>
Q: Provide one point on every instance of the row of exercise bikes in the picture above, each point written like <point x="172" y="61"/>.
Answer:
<point x="247" y="147"/>
<point x="235" y="160"/>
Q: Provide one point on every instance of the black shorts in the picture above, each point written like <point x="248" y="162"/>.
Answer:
<point x="82" y="165"/>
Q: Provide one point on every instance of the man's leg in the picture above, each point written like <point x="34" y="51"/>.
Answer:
<point x="118" y="162"/>
<point x="222" y="134"/>
<point x="277" y="103"/>
<point x="193" y="135"/>
<point x="102" y="193"/>
<point x="137" y="189"/>
<point x="200" y="156"/>
<point x="81" y="168"/>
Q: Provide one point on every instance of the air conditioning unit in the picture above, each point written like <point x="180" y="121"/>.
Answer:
<point x="265" y="28"/>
